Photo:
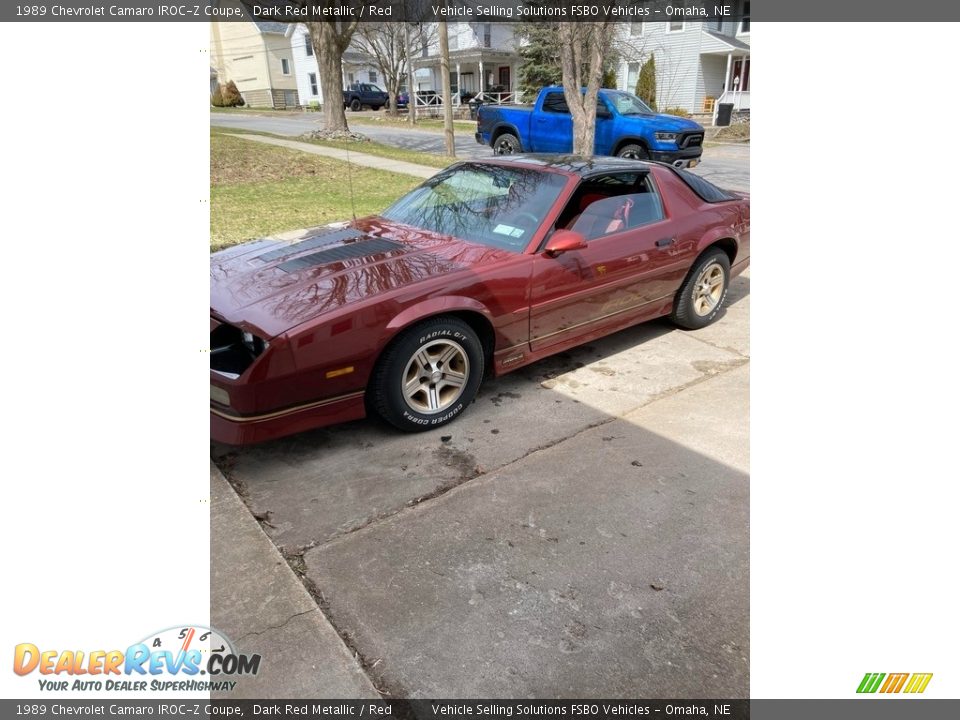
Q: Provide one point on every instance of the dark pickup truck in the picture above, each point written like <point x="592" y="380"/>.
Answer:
<point x="626" y="127"/>
<point x="360" y="94"/>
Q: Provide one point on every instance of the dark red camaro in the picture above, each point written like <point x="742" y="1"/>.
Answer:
<point x="486" y="267"/>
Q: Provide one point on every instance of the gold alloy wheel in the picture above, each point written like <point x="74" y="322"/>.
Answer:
<point x="708" y="289"/>
<point x="435" y="377"/>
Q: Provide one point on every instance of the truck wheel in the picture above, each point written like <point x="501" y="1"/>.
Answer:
<point x="355" y="105"/>
<point x="633" y="152"/>
<point x="375" y="107"/>
<point x="428" y="376"/>
<point x="506" y="144"/>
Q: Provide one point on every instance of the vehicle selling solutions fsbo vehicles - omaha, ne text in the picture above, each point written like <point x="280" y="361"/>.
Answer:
<point x="488" y="266"/>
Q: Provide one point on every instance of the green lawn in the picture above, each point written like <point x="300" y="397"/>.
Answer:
<point x="256" y="190"/>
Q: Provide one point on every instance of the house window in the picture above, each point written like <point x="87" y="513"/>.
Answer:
<point x="372" y="76"/>
<point x="285" y="66"/>
<point x="636" y="28"/>
<point x="312" y="77"/>
<point x="308" y="46"/>
<point x="675" y="26"/>
<point x="486" y="35"/>
<point x="350" y="78"/>
<point x="745" y="23"/>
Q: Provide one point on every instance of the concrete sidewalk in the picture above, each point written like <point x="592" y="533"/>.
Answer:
<point x="357" y="158"/>
<point x="261" y="605"/>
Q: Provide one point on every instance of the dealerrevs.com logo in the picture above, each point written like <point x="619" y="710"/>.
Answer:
<point x="184" y="658"/>
<point x="910" y="683"/>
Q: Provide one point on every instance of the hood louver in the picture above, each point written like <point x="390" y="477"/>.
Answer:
<point x="363" y="248"/>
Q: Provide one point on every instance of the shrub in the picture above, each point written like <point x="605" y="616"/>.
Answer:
<point x="232" y="96"/>
<point x="647" y="83"/>
<point x="217" y="98"/>
<point x="678" y="111"/>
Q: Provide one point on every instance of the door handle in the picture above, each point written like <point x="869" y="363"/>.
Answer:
<point x="664" y="242"/>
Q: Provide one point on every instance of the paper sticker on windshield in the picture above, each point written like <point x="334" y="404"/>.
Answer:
<point x="508" y="230"/>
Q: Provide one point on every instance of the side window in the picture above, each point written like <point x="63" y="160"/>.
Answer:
<point x="555" y="102"/>
<point x="612" y="203"/>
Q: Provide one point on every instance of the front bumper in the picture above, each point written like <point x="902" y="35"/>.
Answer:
<point x="479" y="138"/>
<point x="233" y="429"/>
<point x="688" y="157"/>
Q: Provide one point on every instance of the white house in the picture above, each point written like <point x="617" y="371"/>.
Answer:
<point x="483" y="59"/>
<point x="357" y="67"/>
<point x="699" y="64"/>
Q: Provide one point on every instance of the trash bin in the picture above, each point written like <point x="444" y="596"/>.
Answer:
<point x="724" y="113"/>
<point x="474" y="108"/>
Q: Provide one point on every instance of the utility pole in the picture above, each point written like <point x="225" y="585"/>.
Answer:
<point x="445" y="80"/>
<point x="411" y="97"/>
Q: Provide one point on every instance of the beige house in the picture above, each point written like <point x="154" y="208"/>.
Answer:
<point x="257" y="57"/>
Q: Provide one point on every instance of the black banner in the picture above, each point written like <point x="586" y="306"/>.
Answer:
<point x="473" y="10"/>
<point x="853" y="709"/>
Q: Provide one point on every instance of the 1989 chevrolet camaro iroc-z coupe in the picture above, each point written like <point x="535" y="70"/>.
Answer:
<point x="488" y="266"/>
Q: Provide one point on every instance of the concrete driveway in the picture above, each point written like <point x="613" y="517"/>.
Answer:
<point x="581" y="531"/>
<point x="725" y="165"/>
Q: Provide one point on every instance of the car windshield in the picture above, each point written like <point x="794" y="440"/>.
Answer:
<point x="627" y="104"/>
<point x="491" y="205"/>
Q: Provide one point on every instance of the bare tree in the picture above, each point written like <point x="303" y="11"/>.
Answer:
<point x="385" y="44"/>
<point x="330" y="39"/>
<point x="582" y="50"/>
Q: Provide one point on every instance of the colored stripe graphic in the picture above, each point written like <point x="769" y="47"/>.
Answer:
<point x="918" y="682"/>
<point x="870" y="682"/>
<point x="894" y="682"/>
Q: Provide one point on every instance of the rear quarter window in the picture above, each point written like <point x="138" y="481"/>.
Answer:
<point x="705" y="189"/>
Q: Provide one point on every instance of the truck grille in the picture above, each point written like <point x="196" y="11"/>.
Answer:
<point x="692" y="140"/>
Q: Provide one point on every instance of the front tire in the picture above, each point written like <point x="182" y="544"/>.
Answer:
<point x="355" y="105"/>
<point x="428" y="375"/>
<point x="701" y="297"/>
<point x="634" y="152"/>
<point x="506" y="144"/>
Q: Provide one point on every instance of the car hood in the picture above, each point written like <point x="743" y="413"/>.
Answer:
<point x="667" y="123"/>
<point x="274" y="284"/>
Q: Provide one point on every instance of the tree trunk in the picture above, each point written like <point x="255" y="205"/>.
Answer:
<point x="445" y="80"/>
<point x="329" y="42"/>
<point x="582" y="49"/>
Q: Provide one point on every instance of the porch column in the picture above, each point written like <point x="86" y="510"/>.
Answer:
<point x="625" y="74"/>
<point x="482" y="89"/>
<point x="458" y="85"/>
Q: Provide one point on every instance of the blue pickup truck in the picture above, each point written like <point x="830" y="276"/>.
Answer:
<point x="626" y="127"/>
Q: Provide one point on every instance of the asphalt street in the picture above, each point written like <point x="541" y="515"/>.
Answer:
<point x="725" y="165"/>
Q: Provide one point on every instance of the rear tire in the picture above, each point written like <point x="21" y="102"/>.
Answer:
<point x="506" y="144"/>
<point x="355" y="105"/>
<point x="634" y="152"/>
<point x="701" y="297"/>
<point x="428" y="375"/>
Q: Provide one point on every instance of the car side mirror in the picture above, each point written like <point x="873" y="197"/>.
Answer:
<point x="603" y="112"/>
<point x="564" y="241"/>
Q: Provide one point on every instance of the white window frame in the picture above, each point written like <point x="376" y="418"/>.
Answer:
<point x="285" y="66"/>
<point x="683" y="26"/>
<point x="634" y="24"/>
<point x="740" y="30"/>
<point x="307" y="46"/>
<point x="314" y="87"/>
